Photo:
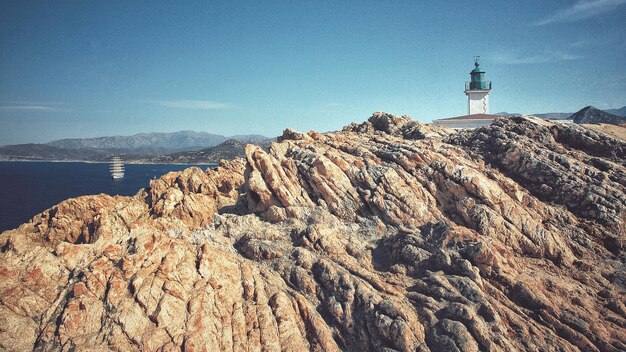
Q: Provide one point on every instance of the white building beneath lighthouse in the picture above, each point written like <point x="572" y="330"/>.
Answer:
<point x="477" y="91"/>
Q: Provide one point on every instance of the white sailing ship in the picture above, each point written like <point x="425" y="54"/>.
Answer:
<point x="117" y="168"/>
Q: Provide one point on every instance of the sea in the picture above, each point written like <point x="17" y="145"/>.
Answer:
<point x="28" y="188"/>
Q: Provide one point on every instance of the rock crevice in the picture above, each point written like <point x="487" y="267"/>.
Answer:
<point x="390" y="235"/>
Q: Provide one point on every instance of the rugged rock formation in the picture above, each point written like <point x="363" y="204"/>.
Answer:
<point x="618" y="132"/>
<point x="389" y="235"/>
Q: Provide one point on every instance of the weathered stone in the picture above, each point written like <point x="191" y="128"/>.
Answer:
<point x="390" y="235"/>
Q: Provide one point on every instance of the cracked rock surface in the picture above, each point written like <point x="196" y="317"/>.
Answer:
<point x="387" y="236"/>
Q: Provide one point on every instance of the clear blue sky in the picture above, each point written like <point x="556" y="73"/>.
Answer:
<point x="95" y="68"/>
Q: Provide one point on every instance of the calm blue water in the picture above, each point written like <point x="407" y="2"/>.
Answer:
<point x="28" y="188"/>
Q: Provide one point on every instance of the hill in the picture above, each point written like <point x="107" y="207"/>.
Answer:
<point x="182" y="140"/>
<point x="385" y="236"/>
<point x="174" y="140"/>
<point x="141" y="146"/>
<point x="228" y="150"/>
<point x="44" y="152"/>
<point x="589" y="114"/>
<point x="53" y="153"/>
<point x="564" y="115"/>
<point x="619" y="112"/>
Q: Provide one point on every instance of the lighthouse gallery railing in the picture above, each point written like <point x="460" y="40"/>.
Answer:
<point x="478" y="85"/>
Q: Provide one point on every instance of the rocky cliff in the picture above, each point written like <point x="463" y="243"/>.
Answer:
<point x="387" y="236"/>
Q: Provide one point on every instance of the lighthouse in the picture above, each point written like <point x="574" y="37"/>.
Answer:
<point x="477" y="91"/>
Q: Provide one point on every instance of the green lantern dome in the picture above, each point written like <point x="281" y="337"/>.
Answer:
<point x="477" y="80"/>
<point x="477" y="69"/>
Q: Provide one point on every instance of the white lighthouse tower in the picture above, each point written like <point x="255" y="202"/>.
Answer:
<point x="477" y="91"/>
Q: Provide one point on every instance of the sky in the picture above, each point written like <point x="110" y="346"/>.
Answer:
<point x="98" y="68"/>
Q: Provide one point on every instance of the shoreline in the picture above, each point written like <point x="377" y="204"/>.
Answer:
<point x="102" y="162"/>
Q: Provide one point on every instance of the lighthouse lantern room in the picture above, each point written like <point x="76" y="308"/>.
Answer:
<point x="477" y="91"/>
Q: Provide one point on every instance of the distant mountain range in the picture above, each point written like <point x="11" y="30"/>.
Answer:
<point x="45" y="152"/>
<point x="565" y="115"/>
<point x="173" y="141"/>
<point x="139" y="147"/>
<point x="619" y="112"/>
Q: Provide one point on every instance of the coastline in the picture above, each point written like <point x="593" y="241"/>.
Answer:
<point x="32" y="186"/>
<point x="100" y="162"/>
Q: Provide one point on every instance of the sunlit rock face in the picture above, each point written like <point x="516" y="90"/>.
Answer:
<point x="390" y="235"/>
